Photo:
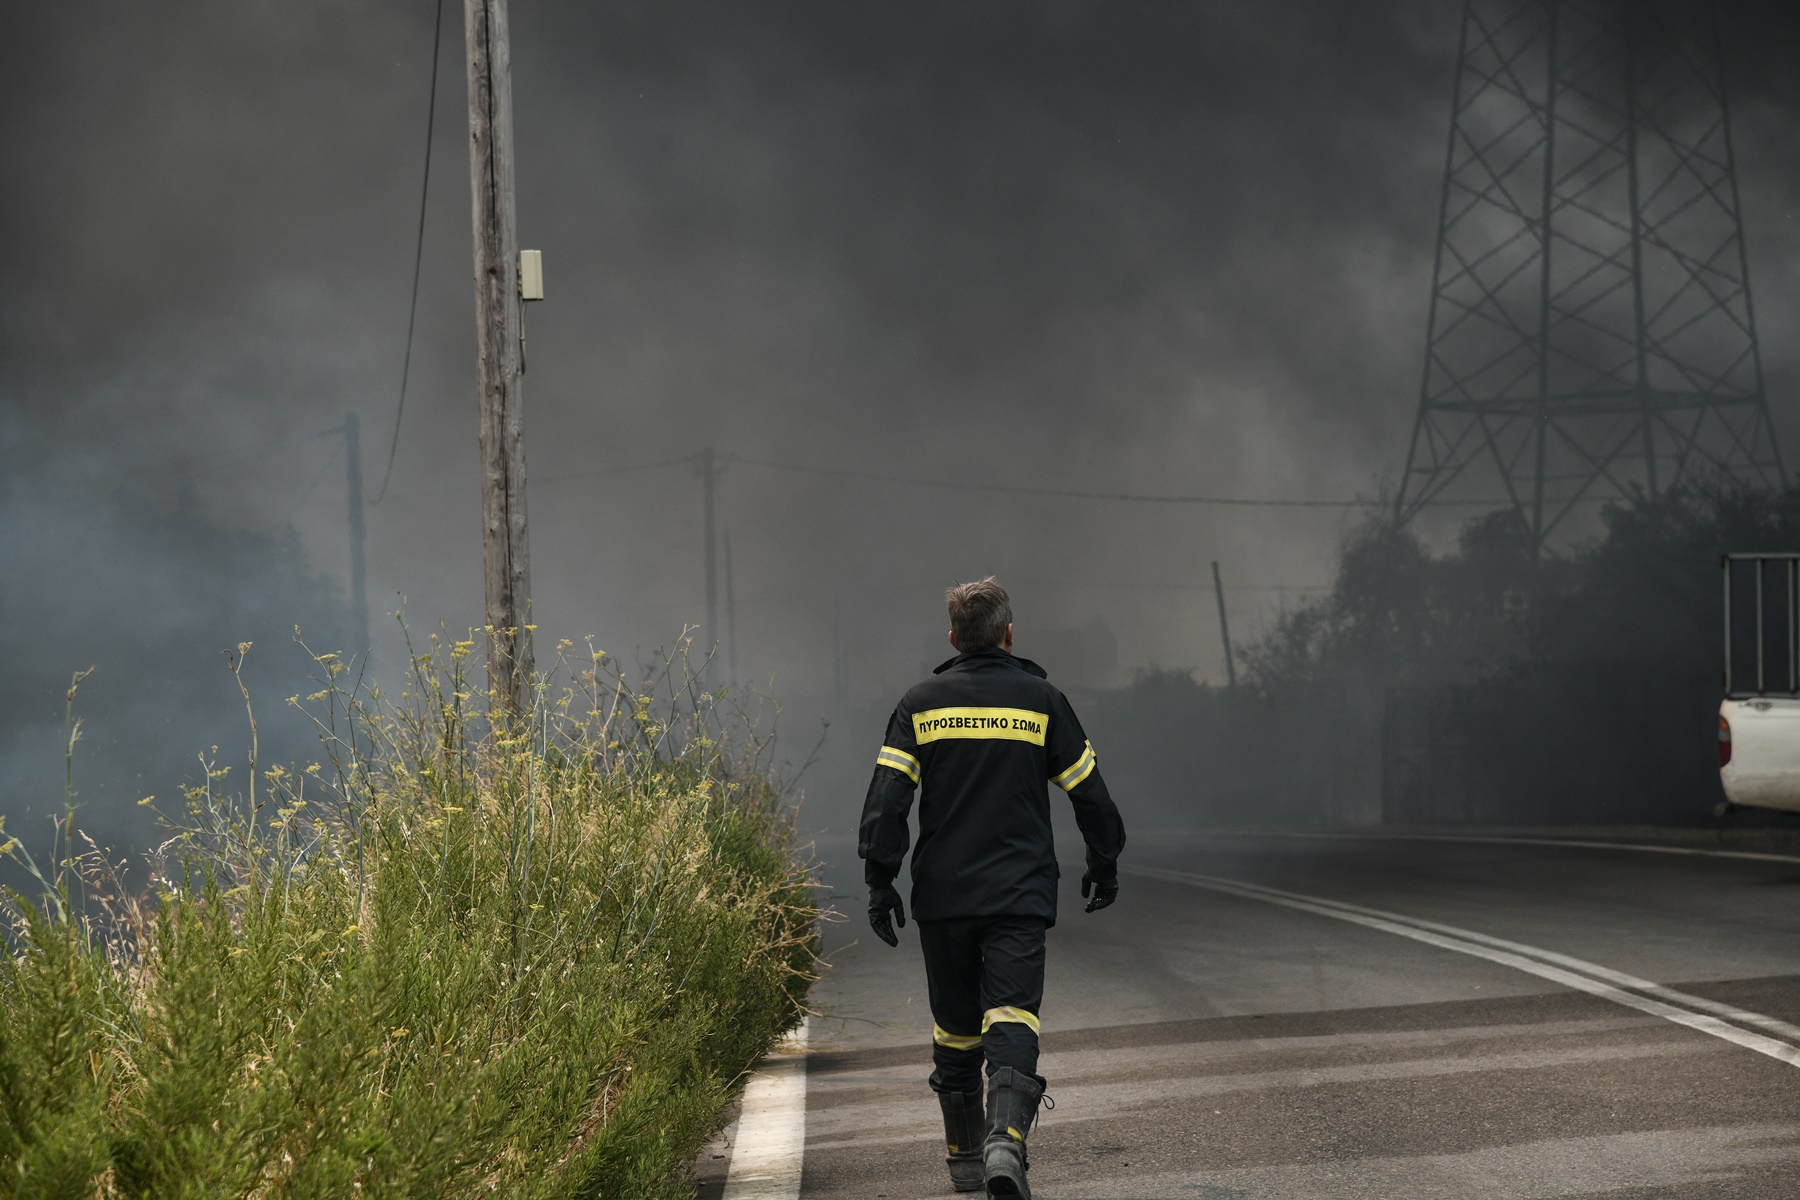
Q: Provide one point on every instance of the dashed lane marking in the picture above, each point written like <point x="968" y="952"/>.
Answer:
<point x="771" y="1134"/>
<point x="1723" y="1021"/>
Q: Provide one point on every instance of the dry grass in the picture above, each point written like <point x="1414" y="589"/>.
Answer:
<point x="448" y="959"/>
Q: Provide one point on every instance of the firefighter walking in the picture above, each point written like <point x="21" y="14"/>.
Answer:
<point x="980" y="739"/>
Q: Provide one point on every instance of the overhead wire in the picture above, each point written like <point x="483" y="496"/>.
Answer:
<point x="1070" y="493"/>
<point x="1023" y="489"/>
<point x="627" y="469"/>
<point x="412" y="316"/>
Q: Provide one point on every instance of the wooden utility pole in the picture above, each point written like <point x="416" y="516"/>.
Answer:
<point x="1224" y="629"/>
<point x="506" y="559"/>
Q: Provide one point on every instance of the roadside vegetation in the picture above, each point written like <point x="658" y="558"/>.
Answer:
<point x="449" y="959"/>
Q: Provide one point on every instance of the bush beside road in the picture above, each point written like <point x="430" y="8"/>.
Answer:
<point x="451" y="960"/>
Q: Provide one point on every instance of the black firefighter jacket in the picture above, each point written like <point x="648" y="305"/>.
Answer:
<point x="981" y="737"/>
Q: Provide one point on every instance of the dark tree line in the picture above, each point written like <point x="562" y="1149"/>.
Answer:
<point x="1491" y="684"/>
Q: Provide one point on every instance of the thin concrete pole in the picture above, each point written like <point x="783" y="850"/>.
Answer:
<point x="359" y="571"/>
<point x="1224" y="628"/>
<point x="840" y="657"/>
<point x="730" y="612"/>
<point x="708" y="476"/>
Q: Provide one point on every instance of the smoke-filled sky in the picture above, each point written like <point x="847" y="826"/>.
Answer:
<point x="1147" y="247"/>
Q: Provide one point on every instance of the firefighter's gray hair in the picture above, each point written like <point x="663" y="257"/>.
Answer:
<point x="979" y="614"/>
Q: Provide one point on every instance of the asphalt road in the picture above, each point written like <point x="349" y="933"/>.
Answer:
<point x="1267" y="1041"/>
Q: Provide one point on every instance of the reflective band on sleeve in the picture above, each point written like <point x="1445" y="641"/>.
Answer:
<point x="900" y="760"/>
<point x="955" y="1041"/>
<point x="995" y="1016"/>
<point x="1079" y="770"/>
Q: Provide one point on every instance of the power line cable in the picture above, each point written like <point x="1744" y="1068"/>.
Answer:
<point x="957" y="485"/>
<point x="1137" y="497"/>
<point x="624" y="470"/>
<point x="1023" y="490"/>
<point x="1149" y="498"/>
<point x="412" y="316"/>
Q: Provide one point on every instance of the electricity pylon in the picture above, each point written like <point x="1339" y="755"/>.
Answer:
<point x="1591" y="331"/>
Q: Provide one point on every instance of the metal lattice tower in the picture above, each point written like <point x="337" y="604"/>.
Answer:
<point x="1591" y="330"/>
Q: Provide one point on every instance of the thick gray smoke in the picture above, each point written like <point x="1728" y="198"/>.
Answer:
<point x="1168" y="248"/>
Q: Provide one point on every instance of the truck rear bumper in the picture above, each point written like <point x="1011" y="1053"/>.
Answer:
<point x="1764" y="771"/>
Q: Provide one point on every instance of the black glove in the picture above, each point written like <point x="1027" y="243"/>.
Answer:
<point x="883" y="899"/>
<point x="1105" y="888"/>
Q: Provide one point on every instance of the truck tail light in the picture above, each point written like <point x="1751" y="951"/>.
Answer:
<point x="1724" y="741"/>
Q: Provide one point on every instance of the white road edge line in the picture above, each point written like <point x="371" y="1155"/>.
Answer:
<point x="1476" y="838"/>
<point x="771" y="1133"/>
<point x="1575" y="973"/>
<point x="1605" y="974"/>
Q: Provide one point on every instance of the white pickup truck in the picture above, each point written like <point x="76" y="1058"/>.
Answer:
<point x="1759" y="719"/>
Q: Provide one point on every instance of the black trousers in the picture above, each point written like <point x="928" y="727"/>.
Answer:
<point x="986" y="978"/>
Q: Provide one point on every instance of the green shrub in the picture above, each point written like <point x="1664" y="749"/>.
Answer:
<point x="453" y="959"/>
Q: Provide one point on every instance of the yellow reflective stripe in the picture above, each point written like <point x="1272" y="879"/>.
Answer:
<point x="995" y="1016"/>
<point x="1009" y="724"/>
<point x="1062" y="779"/>
<point x="900" y="760"/>
<point x="1079" y="770"/>
<point x="1085" y="772"/>
<point x="955" y="1041"/>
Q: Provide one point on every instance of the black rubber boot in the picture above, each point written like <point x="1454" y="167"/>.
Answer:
<point x="963" y="1130"/>
<point x="1012" y="1105"/>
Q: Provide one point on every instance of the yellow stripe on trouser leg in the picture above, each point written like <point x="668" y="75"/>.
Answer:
<point x="1019" y="1016"/>
<point x="995" y="1016"/>
<point x="955" y="1041"/>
